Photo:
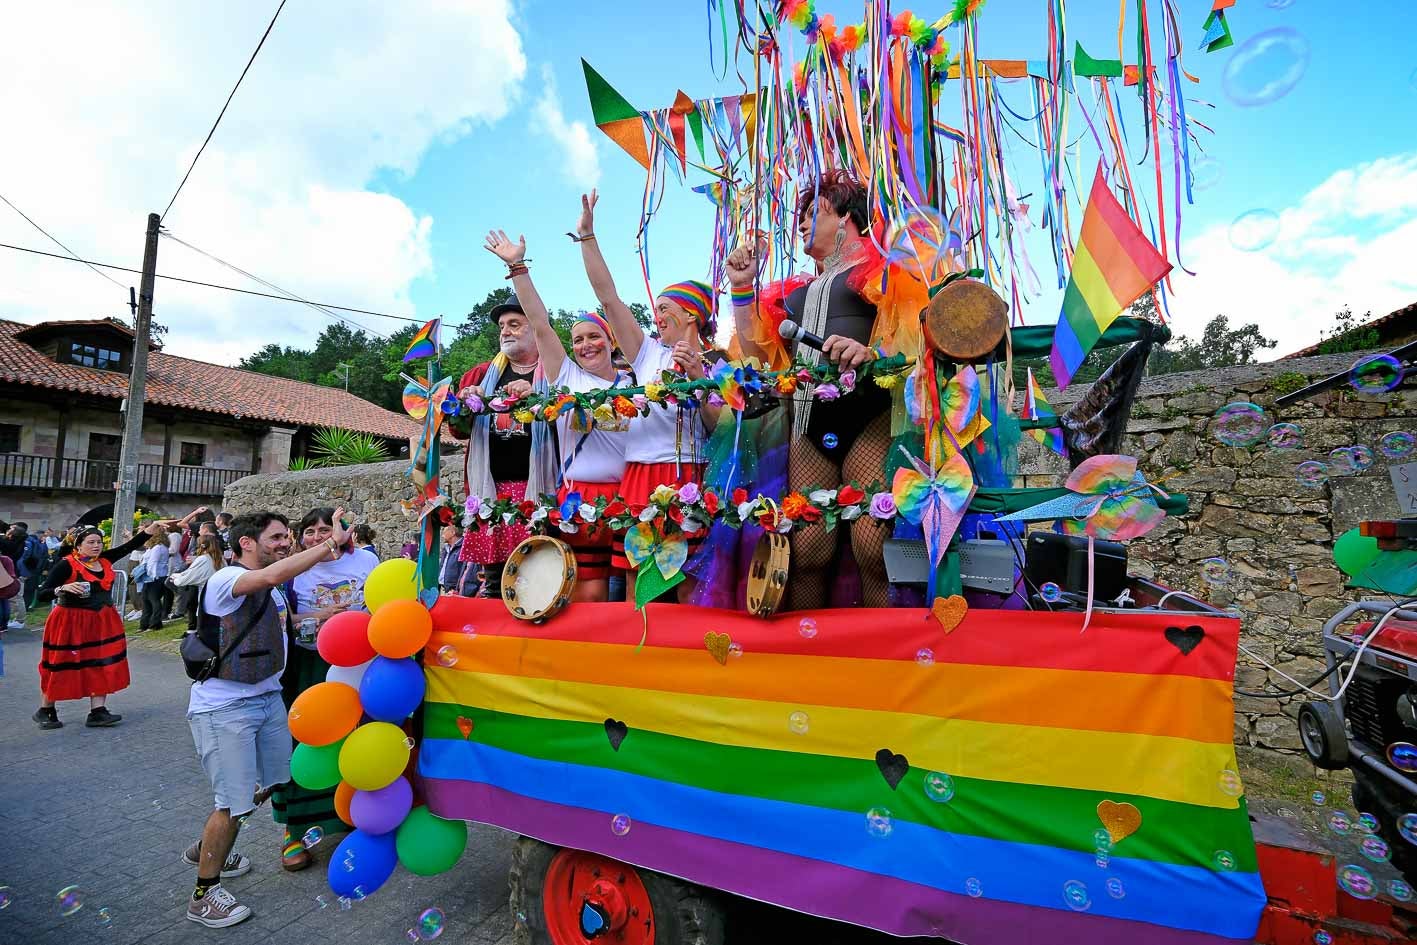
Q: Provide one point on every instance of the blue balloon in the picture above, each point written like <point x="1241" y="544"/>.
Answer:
<point x="391" y="689"/>
<point x="362" y="863"/>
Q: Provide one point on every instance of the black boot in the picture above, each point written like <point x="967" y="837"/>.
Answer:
<point x="102" y="718"/>
<point x="48" y="718"/>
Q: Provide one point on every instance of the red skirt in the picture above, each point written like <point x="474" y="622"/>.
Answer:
<point x="495" y="544"/>
<point x="591" y="545"/>
<point x="85" y="654"/>
<point x="641" y="479"/>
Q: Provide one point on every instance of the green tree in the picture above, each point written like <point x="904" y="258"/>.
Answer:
<point x="1349" y="334"/>
<point x="1219" y="346"/>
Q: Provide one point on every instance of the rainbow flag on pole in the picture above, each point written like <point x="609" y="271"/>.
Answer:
<point x="1036" y="407"/>
<point x="425" y="342"/>
<point x="1113" y="265"/>
<point x="1026" y="785"/>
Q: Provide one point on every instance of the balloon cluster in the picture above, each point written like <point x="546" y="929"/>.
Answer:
<point x="351" y="737"/>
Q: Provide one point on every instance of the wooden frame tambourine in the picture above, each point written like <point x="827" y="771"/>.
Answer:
<point x="538" y="578"/>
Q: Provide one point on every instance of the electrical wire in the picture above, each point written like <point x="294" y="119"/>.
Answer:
<point x="72" y="255"/>
<point x="210" y="285"/>
<point x="222" y="113"/>
<point x="1285" y="694"/>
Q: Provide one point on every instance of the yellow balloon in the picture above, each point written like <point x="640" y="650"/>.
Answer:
<point x="390" y="580"/>
<point x="373" y="755"/>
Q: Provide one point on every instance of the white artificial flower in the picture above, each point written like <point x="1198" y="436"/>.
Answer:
<point x="570" y="528"/>
<point x="822" y="496"/>
<point x="851" y="512"/>
<point x="649" y="513"/>
<point x="588" y="512"/>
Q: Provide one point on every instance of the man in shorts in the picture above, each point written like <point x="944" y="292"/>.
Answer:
<point x="237" y="718"/>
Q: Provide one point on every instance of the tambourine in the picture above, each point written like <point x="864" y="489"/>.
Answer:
<point x="538" y="578"/>
<point x="965" y="320"/>
<point x="767" y="574"/>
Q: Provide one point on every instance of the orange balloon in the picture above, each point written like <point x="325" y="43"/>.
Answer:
<point x="344" y="793"/>
<point x="325" y="713"/>
<point x="400" y="628"/>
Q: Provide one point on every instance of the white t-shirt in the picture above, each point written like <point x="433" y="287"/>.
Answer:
<point x="599" y="454"/>
<point x="653" y="438"/>
<point x="334" y="582"/>
<point x="216" y="693"/>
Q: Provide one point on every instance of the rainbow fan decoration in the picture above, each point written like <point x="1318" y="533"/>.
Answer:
<point x="424" y="343"/>
<point x="935" y="500"/>
<point x="1109" y="499"/>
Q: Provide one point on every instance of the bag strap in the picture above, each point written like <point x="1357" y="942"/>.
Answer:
<point x="250" y="624"/>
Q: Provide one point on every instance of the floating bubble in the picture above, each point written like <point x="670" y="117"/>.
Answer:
<point x="829" y="440"/>
<point x="1287" y="812"/>
<point x="1224" y="861"/>
<point x="70" y="899"/>
<point x="1230" y="783"/>
<point x="411" y="935"/>
<point x="878" y="822"/>
<point x="430" y="924"/>
<point x="1206" y="172"/>
<point x="974" y="887"/>
<point x="1311" y="473"/>
<point x="322" y="902"/>
<point x="1239" y="424"/>
<point x="105" y="918"/>
<point x="925" y="656"/>
<point x="1266" y="67"/>
<point x="1101" y="839"/>
<point x="410" y="743"/>
<point x="346" y="903"/>
<point x="1367" y="823"/>
<point x="1254" y="229"/>
<point x="1375" y="849"/>
<point x="1375" y="374"/>
<point x="939" y="787"/>
<point x="1115" y="889"/>
<point x="735" y="650"/>
<point x="4" y="896"/>
<point x="1339" y="823"/>
<point x="1215" y="571"/>
<point x="1075" y="895"/>
<point x="620" y="824"/>
<point x="1322" y="938"/>
<point x="1399" y="890"/>
<point x="798" y="722"/>
<point x="807" y="628"/>
<point x="1050" y="592"/>
<point x="1403" y="756"/>
<point x="312" y="836"/>
<point x="1103" y="860"/>
<point x="359" y="894"/>
<point x="1318" y="798"/>
<point x="1280" y="4"/>
<point x="1285" y="436"/>
<point x="447" y="655"/>
<point x="1357" y="881"/>
<point x="1397" y="445"/>
<point x="1341" y="462"/>
<point x="1407" y="826"/>
<point x="469" y="630"/>
<point x="1362" y="457"/>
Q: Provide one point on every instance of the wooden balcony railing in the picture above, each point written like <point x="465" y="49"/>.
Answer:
<point x="24" y="471"/>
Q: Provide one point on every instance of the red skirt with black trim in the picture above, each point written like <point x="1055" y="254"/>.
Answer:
<point x="640" y="480"/>
<point x="591" y="545"/>
<point x="85" y="654"/>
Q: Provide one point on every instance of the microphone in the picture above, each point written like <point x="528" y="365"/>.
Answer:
<point x="791" y="331"/>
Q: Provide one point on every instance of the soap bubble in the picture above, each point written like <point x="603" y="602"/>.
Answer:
<point x="1311" y="473"/>
<point x="70" y="899"/>
<point x="1399" y="890"/>
<point x="1407" y="826"/>
<point x="1285" y="436"/>
<point x="1398" y="445"/>
<point x="1362" y="457"/>
<point x="1103" y="860"/>
<point x="359" y="894"/>
<point x="411" y="935"/>
<point x="1102" y="840"/>
<point x="620" y="824"/>
<point x="322" y="902"/>
<point x="4" y="896"/>
<point x="1339" y="823"/>
<point x="1215" y="571"/>
<point x="878" y="822"/>
<point x="1403" y="756"/>
<point x="409" y="742"/>
<point x="1206" y="172"/>
<point x="1357" y="881"/>
<point x="1224" y="861"/>
<point x="346" y="903"/>
<point x="807" y="628"/>
<point x="1050" y="592"/>
<point x="1280" y="4"/>
<point x="925" y="656"/>
<point x="1266" y="67"/>
<point x="974" y="887"/>
<point x="798" y="722"/>
<point x="430" y="924"/>
<point x="1115" y="889"/>
<point x="939" y="787"/>
<point x="1230" y="783"/>
<point x="312" y="836"/>
<point x="105" y="918"/>
<point x="1375" y="849"/>
<point x="1322" y="938"/>
<point x="735" y="650"/>
<point x="1075" y="895"/>
<point x="829" y="440"/>
<point x="447" y="655"/>
<point x="1341" y="462"/>
<point x="1367" y="823"/>
<point x="1239" y="424"/>
<point x="1375" y="374"/>
<point x="1318" y="798"/>
<point x="468" y="630"/>
<point x="1254" y="229"/>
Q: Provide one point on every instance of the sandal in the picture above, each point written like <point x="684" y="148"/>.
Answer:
<point x="297" y="861"/>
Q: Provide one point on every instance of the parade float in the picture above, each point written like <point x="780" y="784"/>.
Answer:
<point x="1032" y="745"/>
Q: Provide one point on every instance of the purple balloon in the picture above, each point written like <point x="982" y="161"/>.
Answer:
<point x="381" y="811"/>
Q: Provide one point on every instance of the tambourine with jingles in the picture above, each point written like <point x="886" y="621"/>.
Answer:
<point x="538" y="578"/>
<point x="767" y="574"/>
<point x="965" y="320"/>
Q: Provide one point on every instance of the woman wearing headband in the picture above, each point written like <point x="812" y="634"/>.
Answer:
<point x="592" y="453"/>
<point x="666" y="447"/>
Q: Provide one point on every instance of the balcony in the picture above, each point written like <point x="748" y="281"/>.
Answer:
<point x="23" y="471"/>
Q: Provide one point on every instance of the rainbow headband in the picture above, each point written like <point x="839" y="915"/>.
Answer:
<point x="697" y="298"/>
<point x="598" y="320"/>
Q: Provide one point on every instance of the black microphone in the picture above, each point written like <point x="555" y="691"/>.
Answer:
<point x="791" y="331"/>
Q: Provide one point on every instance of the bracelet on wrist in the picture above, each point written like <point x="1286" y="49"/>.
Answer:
<point x="744" y="295"/>
<point x="577" y="238"/>
<point x="517" y="269"/>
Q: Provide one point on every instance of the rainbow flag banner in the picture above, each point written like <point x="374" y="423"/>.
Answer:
<point x="424" y="343"/>
<point x="1036" y="407"/>
<point x="1011" y="781"/>
<point x="1113" y="265"/>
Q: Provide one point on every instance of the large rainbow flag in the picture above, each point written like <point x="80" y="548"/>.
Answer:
<point x="848" y="774"/>
<point x="1113" y="265"/>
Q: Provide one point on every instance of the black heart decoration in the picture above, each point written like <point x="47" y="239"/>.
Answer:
<point x="893" y="767"/>
<point x="615" y="730"/>
<point x="1185" y="640"/>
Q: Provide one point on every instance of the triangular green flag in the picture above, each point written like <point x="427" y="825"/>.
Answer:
<point x="1217" y="32"/>
<point x="606" y="104"/>
<point x="1085" y="65"/>
<point x="696" y="125"/>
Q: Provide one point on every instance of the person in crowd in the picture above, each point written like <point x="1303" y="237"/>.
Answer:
<point x="85" y="654"/>
<point x="31" y="561"/>
<point x="666" y="447"/>
<point x="364" y="536"/>
<point x="457" y="575"/>
<point x="172" y="603"/>
<point x="12" y="547"/>
<point x="506" y="459"/>
<point x="592" y="461"/>
<point x="328" y="588"/>
<point x="10" y="587"/>
<point x="237" y="716"/>
<point x="206" y="562"/>
<point x="157" y="560"/>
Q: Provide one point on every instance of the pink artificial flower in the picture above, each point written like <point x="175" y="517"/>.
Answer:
<point x="689" y="492"/>
<point x="883" y="506"/>
<point x="827" y="392"/>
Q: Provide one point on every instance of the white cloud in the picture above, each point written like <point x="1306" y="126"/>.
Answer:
<point x="581" y="161"/>
<point x="106" y="105"/>
<point x="1346" y="242"/>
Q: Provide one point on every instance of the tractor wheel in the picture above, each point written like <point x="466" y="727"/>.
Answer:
<point x="1321" y="731"/>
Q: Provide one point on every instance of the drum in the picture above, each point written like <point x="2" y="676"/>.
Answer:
<point x="538" y="578"/>
<point x="965" y="321"/>
<point x="767" y="574"/>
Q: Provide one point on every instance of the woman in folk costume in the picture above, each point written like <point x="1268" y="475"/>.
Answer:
<point x="845" y="439"/>
<point x="505" y="458"/>
<point x="666" y="447"/>
<point x="592" y="452"/>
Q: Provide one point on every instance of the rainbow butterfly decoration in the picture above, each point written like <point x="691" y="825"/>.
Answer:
<point x="935" y="500"/>
<point x="960" y="400"/>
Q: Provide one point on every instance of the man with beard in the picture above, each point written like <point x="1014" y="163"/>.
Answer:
<point x="237" y="718"/>
<point x="505" y="459"/>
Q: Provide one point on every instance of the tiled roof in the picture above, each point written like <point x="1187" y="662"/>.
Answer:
<point x="209" y="388"/>
<point x="1390" y="321"/>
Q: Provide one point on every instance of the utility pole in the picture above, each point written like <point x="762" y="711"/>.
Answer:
<point x="126" y="498"/>
<point x="345" y="365"/>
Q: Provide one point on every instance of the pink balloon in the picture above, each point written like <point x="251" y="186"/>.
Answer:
<point x="377" y="812"/>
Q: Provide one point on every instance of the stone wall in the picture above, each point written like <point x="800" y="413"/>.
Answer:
<point x="1246" y="507"/>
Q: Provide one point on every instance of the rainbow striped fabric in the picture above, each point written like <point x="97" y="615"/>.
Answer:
<point x="424" y="343"/>
<point x="1113" y="265"/>
<point x="838" y="769"/>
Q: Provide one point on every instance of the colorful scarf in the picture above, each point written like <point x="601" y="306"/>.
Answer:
<point x="542" y="478"/>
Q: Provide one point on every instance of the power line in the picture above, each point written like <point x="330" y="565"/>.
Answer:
<point x="223" y="108"/>
<point x="72" y="254"/>
<point x="210" y="285"/>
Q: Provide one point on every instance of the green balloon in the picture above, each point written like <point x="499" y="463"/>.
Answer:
<point x="316" y="768"/>
<point x="429" y="845"/>
<point x="1353" y="553"/>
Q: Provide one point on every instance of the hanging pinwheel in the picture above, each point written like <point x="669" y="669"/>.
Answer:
<point x="935" y="500"/>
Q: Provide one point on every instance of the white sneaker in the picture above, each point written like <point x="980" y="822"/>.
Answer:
<point x="217" y="909"/>
<point x="15" y="625"/>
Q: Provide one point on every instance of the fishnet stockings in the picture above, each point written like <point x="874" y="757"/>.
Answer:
<point x="866" y="463"/>
<point x="813" y="547"/>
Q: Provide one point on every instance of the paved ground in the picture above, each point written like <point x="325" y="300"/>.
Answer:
<point x="110" y="810"/>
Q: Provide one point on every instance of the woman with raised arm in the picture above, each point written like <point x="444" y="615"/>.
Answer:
<point x="592" y="460"/>
<point x="666" y="447"/>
